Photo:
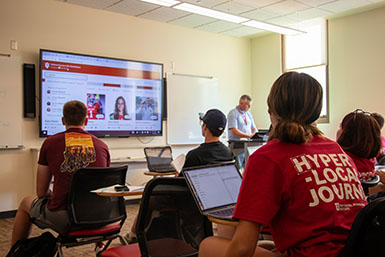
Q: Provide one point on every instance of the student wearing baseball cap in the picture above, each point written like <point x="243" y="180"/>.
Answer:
<point x="212" y="150"/>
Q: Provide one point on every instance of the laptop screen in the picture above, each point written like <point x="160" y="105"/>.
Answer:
<point x="214" y="186"/>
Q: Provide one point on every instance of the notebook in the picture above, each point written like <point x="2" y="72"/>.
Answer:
<point x="215" y="188"/>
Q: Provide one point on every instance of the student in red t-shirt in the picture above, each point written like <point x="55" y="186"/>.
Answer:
<point x="60" y="156"/>
<point x="300" y="184"/>
<point x="360" y="136"/>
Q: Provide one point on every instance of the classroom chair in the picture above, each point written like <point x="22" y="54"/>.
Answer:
<point x="93" y="218"/>
<point x="370" y="183"/>
<point x="159" y="159"/>
<point x="366" y="237"/>
<point x="169" y="222"/>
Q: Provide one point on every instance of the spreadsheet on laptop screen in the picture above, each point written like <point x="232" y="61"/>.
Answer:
<point x="215" y="186"/>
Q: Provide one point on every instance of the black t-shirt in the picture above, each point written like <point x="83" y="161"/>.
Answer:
<point x="208" y="153"/>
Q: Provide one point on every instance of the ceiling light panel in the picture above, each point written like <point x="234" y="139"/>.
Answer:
<point x="272" y="28"/>
<point x="167" y="3"/>
<point x="210" y="13"/>
<point x="206" y="3"/>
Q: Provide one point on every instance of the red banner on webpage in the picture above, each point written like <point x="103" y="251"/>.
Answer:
<point x="99" y="70"/>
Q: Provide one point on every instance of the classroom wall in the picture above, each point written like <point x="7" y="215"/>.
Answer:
<point x="55" y="25"/>
<point x="356" y="67"/>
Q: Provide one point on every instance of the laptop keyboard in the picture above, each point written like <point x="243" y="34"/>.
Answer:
<point x="225" y="212"/>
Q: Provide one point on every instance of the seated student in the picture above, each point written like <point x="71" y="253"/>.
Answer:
<point x="380" y="120"/>
<point x="360" y="136"/>
<point x="300" y="184"/>
<point x="58" y="159"/>
<point x="212" y="150"/>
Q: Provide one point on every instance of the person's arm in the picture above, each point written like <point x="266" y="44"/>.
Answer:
<point x="244" y="240"/>
<point x="238" y="133"/>
<point x="43" y="181"/>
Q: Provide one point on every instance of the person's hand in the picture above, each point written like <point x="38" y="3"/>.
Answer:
<point x="382" y="175"/>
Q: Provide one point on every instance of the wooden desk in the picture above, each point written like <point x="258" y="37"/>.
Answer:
<point x="156" y="174"/>
<point x="233" y="223"/>
<point x="120" y="193"/>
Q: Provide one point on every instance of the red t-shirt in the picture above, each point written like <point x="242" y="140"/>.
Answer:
<point x="308" y="195"/>
<point x="66" y="152"/>
<point x="93" y="111"/>
<point x="364" y="166"/>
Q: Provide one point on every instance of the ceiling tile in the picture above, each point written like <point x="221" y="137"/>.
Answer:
<point x="132" y="7"/>
<point x="309" y="14"/>
<point x="283" y="21"/>
<point x="206" y="3"/>
<point x="233" y="8"/>
<point x="192" y="20"/>
<point x="257" y="4"/>
<point x="259" y="15"/>
<point x="218" y="26"/>
<point x="286" y="7"/>
<point x="343" y="5"/>
<point x="242" y="31"/>
<point x="100" y="4"/>
<point x="164" y="14"/>
<point x="316" y="2"/>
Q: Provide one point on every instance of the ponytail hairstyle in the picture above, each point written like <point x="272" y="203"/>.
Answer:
<point x="360" y="134"/>
<point x="295" y="99"/>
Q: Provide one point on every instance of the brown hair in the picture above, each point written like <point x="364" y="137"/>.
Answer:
<point x="360" y="134"/>
<point x="74" y="113"/>
<point x="379" y="119"/>
<point x="245" y="97"/>
<point x="296" y="100"/>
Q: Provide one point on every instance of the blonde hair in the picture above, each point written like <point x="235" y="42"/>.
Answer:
<point x="296" y="100"/>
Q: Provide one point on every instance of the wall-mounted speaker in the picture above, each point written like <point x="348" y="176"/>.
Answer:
<point x="29" y="90"/>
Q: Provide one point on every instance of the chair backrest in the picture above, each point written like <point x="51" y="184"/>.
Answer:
<point x="158" y="156"/>
<point x="169" y="222"/>
<point x="366" y="237"/>
<point x="89" y="210"/>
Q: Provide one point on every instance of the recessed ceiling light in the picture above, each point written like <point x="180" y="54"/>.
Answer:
<point x="167" y="3"/>
<point x="210" y="13"/>
<point x="272" y="28"/>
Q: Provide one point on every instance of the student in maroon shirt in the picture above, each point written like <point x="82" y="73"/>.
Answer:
<point x="60" y="156"/>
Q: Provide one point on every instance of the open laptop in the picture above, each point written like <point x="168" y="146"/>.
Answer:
<point x="215" y="188"/>
<point x="159" y="159"/>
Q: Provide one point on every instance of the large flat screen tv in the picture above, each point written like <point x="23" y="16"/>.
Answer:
<point x="123" y="97"/>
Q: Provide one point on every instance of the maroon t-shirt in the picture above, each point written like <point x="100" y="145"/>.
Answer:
<point x="65" y="153"/>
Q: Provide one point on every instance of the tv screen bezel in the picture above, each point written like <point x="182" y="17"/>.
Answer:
<point x="106" y="133"/>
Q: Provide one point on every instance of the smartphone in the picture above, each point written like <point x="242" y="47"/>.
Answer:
<point x="121" y="189"/>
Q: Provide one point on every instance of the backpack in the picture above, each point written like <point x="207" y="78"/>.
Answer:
<point x="40" y="246"/>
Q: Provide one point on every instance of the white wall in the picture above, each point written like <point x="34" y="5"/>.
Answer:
<point x="60" y="26"/>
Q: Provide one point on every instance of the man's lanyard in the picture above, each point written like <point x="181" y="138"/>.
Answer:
<point x="243" y="115"/>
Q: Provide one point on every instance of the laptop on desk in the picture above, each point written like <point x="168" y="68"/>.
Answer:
<point x="215" y="188"/>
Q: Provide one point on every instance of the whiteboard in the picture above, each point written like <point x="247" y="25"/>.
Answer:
<point x="11" y="106"/>
<point x="187" y="96"/>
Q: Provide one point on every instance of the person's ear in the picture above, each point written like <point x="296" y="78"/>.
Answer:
<point x="85" y="122"/>
<point x="63" y="121"/>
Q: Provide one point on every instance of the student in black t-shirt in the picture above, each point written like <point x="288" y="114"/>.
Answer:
<point x="212" y="150"/>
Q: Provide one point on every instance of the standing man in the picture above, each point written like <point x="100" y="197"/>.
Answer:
<point x="60" y="156"/>
<point x="240" y="125"/>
